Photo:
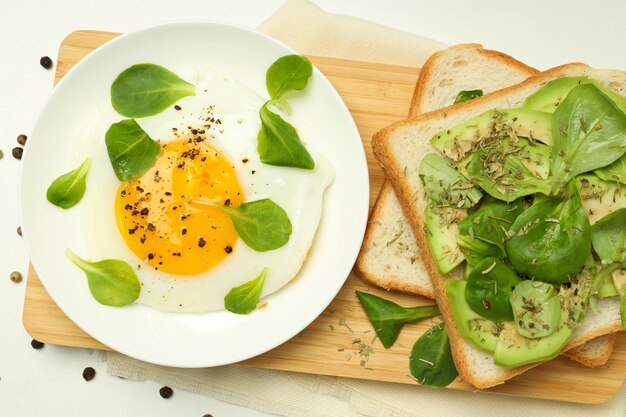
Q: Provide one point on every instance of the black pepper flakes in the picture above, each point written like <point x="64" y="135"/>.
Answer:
<point x="201" y="242"/>
<point x="21" y="139"/>
<point x="144" y="211"/>
<point x="183" y="231"/>
<point x="19" y="230"/>
<point x="166" y="392"/>
<point x="208" y="415"/>
<point x="151" y="256"/>
<point x="89" y="373"/>
<point x="17" y="152"/>
<point x="36" y="344"/>
<point x="151" y="227"/>
<point x="177" y="107"/>
<point x="227" y="202"/>
<point x="45" y="62"/>
<point x="228" y="249"/>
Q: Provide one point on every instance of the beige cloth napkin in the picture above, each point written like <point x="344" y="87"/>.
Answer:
<point x="309" y="30"/>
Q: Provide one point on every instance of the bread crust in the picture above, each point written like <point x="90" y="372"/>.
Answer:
<point x="427" y="72"/>
<point x="605" y="344"/>
<point x="383" y="151"/>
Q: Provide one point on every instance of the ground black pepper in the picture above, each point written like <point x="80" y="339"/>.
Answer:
<point x="228" y="249"/>
<point x="17" y="152"/>
<point x="19" y="230"/>
<point x="36" y="344"/>
<point x="177" y="107"/>
<point x="201" y="242"/>
<point x="45" y="62"/>
<point x="166" y="392"/>
<point x="89" y="373"/>
<point x="21" y="139"/>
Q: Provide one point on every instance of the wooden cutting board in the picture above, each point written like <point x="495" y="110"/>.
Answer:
<point x="340" y="341"/>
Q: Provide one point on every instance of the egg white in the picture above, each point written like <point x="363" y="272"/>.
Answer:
<point x="298" y="191"/>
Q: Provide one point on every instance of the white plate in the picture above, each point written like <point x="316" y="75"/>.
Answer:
<point x="191" y="340"/>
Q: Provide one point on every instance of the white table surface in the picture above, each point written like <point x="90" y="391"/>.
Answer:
<point x="48" y="381"/>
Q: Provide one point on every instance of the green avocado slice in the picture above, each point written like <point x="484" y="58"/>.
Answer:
<point x="514" y="349"/>
<point x="478" y="331"/>
<point x="491" y="126"/>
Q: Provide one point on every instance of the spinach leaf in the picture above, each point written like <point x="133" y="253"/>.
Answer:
<point x="68" y="189"/>
<point x="608" y="236"/>
<point x="111" y="282"/>
<point x="244" y="298"/>
<point x="131" y="151"/>
<point x="147" y="89"/>
<point x="262" y="224"/>
<point x="467" y="95"/>
<point x="551" y="240"/>
<point x="491" y="222"/>
<point x="288" y="73"/>
<point x="388" y="317"/>
<point x="488" y="289"/>
<point x="589" y="132"/>
<point x="278" y="142"/>
<point x="503" y="175"/>
<point x="431" y="361"/>
<point x="613" y="172"/>
<point x="445" y="186"/>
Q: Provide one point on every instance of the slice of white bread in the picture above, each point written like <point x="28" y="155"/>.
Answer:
<point x="389" y="256"/>
<point x="399" y="149"/>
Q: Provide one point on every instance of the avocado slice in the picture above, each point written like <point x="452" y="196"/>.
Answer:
<point x="478" y="331"/>
<point x="549" y="97"/>
<point x="513" y="349"/>
<point x="608" y="286"/>
<point x="445" y="186"/>
<point x="600" y="198"/>
<point x="491" y="126"/>
<point x="441" y="232"/>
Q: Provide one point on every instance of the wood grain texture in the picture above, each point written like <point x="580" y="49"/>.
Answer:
<point x="337" y="343"/>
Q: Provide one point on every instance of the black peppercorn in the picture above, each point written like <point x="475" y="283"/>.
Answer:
<point x="21" y="139"/>
<point x="45" y="62"/>
<point x="166" y="392"/>
<point x="228" y="249"/>
<point x="89" y="373"/>
<point x="17" y="152"/>
<point x="36" y="344"/>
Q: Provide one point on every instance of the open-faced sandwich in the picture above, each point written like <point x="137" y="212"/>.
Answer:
<point x="515" y="202"/>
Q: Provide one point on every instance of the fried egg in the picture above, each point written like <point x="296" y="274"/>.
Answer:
<point x="188" y="256"/>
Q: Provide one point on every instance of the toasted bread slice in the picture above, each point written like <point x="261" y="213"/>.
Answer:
<point x="389" y="256"/>
<point x="400" y="147"/>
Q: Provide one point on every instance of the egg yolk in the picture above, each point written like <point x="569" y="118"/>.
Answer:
<point x="158" y="219"/>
